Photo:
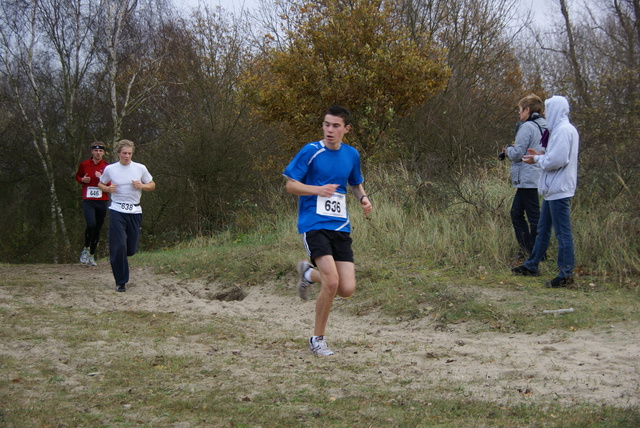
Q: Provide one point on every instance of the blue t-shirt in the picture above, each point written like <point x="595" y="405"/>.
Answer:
<point x="317" y="165"/>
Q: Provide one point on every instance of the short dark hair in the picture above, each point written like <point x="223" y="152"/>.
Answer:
<point x="341" y="112"/>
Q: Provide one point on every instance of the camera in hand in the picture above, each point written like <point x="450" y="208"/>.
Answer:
<point x="502" y="155"/>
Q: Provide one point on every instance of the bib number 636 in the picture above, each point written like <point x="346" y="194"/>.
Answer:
<point x="333" y="206"/>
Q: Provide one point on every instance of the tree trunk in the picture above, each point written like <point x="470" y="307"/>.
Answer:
<point x="581" y="84"/>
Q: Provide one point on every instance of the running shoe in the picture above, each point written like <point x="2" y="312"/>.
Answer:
<point x="121" y="288"/>
<point x="318" y="346"/>
<point x="303" y="285"/>
<point x="91" y="261"/>
<point x="84" y="256"/>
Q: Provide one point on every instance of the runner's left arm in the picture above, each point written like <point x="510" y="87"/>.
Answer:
<point x="358" y="192"/>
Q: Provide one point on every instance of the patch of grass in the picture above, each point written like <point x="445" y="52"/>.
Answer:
<point x="136" y="365"/>
<point x="233" y="263"/>
<point x="492" y="302"/>
<point x="450" y="264"/>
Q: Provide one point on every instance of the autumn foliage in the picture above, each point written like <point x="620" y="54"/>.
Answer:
<point x="352" y="53"/>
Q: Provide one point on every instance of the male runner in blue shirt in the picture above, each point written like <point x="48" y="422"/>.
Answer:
<point x="319" y="175"/>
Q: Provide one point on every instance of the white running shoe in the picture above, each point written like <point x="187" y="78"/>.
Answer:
<point x="303" y="285"/>
<point x="84" y="256"/>
<point x="91" y="261"/>
<point x="318" y="346"/>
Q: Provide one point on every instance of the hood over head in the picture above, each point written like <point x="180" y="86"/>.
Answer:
<point x="556" y="110"/>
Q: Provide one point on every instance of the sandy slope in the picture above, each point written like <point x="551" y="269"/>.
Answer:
<point x="559" y="366"/>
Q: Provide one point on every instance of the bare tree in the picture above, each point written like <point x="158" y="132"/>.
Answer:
<point x="202" y="115"/>
<point x="116" y="13"/>
<point x="470" y="120"/>
<point x="126" y="35"/>
<point x="46" y="52"/>
<point x="572" y="56"/>
<point x="564" y="45"/>
<point x="593" y="56"/>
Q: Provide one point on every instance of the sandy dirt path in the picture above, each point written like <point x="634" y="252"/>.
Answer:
<point x="563" y="367"/>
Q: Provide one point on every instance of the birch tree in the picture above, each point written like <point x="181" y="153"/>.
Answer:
<point x="46" y="53"/>
<point x="126" y="35"/>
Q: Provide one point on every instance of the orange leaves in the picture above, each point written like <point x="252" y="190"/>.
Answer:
<point x="351" y="53"/>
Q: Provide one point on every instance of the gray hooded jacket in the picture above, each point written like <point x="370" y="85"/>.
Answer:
<point x="559" y="163"/>
<point x="524" y="175"/>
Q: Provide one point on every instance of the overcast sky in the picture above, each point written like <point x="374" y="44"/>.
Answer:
<point x="538" y="6"/>
<point x="230" y="5"/>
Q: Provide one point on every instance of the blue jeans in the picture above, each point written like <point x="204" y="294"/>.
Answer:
<point x="557" y="214"/>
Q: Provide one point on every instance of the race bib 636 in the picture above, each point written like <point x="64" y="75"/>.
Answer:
<point x="333" y="206"/>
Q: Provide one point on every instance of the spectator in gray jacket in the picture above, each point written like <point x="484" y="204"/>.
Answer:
<point x="525" y="176"/>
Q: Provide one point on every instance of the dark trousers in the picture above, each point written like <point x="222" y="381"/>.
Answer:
<point x="525" y="201"/>
<point x="94" y="214"/>
<point x="124" y="233"/>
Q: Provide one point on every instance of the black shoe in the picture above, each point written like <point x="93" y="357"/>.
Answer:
<point x="558" y="282"/>
<point x="521" y="270"/>
<point x="121" y="288"/>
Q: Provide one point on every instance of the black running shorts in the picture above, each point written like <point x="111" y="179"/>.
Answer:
<point x="328" y="243"/>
